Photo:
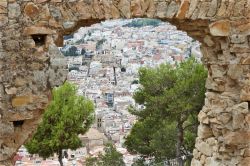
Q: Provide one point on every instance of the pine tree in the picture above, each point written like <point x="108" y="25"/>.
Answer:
<point x="67" y="116"/>
<point x="111" y="157"/>
<point x="172" y="97"/>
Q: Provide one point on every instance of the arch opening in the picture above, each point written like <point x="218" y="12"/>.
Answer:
<point x="107" y="56"/>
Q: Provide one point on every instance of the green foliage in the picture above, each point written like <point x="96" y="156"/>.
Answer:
<point x="142" y="130"/>
<point x="135" y="82"/>
<point x="152" y="162"/>
<point x="74" y="68"/>
<point x="71" y="51"/>
<point x="92" y="161"/>
<point x="83" y="52"/>
<point x="82" y="40"/>
<point x="138" y="23"/>
<point x="139" y="162"/>
<point x="172" y="97"/>
<point x="67" y="37"/>
<point x="152" y="138"/>
<point x="111" y="157"/>
<point x="190" y="126"/>
<point x="100" y="43"/>
<point x="67" y="116"/>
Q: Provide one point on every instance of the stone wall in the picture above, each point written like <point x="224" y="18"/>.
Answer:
<point x="30" y="65"/>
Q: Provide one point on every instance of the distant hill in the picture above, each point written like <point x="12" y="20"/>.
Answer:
<point x="138" y="23"/>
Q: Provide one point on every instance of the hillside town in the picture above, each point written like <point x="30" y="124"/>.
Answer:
<point x="103" y="61"/>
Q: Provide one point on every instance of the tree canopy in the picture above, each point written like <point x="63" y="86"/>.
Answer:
<point x="67" y="116"/>
<point x="71" y="51"/>
<point x="138" y="23"/>
<point x="172" y="97"/>
<point x="111" y="157"/>
<point x="99" y="43"/>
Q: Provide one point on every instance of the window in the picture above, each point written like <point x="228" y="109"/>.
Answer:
<point x="18" y="123"/>
<point x="39" y="39"/>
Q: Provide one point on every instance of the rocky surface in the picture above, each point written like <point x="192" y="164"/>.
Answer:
<point x="30" y="65"/>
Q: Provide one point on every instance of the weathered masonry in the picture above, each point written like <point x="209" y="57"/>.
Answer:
<point x="30" y="65"/>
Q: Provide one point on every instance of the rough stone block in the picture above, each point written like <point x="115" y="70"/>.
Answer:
<point x="183" y="9"/>
<point x="235" y="71"/>
<point x="14" y="10"/>
<point x="204" y="147"/>
<point x="245" y="93"/>
<point x="31" y="10"/>
<point x="22" y="100"/>
<point x="237" y="138"/>
<point x="196" y="162"/>
<point x="37" y="30"/>
<point x="220" y="28"/>
<point x="204" y="131"/>
<point x="3" y="10"/>
<point x="246" y="61"/>
<point x="245" y="161"/>
<point x="6" y="129"/>
<point x="203" y="118"/>
<point x="3" y="20"/>
<point x="211" y="161"/>
<point x="238" y="121"/>
<point x="235" y="38"/>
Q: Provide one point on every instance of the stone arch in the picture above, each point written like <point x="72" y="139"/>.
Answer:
<point x="30" y="65"/>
